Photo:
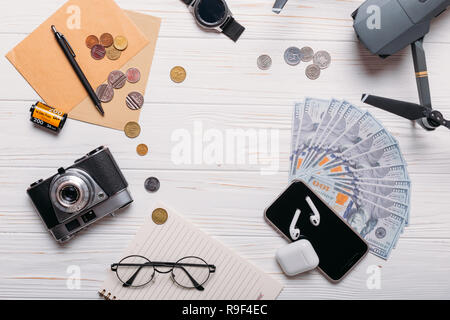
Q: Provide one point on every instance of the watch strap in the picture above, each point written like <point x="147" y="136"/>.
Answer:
<point x="232" y="29"/>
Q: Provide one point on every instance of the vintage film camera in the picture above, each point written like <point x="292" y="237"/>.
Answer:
<point x="80" y="195"/>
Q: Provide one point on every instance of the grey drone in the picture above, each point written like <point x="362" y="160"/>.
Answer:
<point x="401" y="23"/>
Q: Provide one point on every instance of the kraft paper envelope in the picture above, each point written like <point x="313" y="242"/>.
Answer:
<point x="117" y="114"/>
<point x="42" y="63"/>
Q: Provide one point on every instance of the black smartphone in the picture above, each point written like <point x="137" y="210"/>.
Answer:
<point x="299" y="213"/>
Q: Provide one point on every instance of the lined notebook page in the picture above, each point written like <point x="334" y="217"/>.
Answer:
<point x="234" y="279"/>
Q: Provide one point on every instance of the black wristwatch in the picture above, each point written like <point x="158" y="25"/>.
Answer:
<point x="215" y="15"/>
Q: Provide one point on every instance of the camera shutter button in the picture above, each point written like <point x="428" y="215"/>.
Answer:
<point x="36" y="183"/>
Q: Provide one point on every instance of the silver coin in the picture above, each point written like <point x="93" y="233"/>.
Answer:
<point x="293" y="56"/>
<point x="264" y="62"/>
<point x="312" y="72"/>
<point x="322" y="59"/>
<point x="307" y="54"/>
<point x="135" y="100"/>
<point x="152" y="184"/>
<point x="105" y="93"/>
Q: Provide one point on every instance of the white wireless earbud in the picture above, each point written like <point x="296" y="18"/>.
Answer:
<point x="315" y="220"/>
<point x="295" y="232"/>
<point x="315" y="216"/>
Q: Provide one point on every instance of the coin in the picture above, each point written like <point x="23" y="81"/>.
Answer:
<point x="105" y="93"/>
<point x="160" y="216"/>
<point x="106" y="40"/>
<point x="120" y="43"/>
<point x="264" y="62"/>
<point x="322" y="59"/>
<point x="117" y="79"/>
<point x="152" y="184"/>
<point x="132" y="129"/>
<point x="307" y="54"/>
<point x="91" y="41"/>
<point x="98" y="52"/>
<point x="312" y="71"/>
<point x="135" y="100"/>
<point x="293" y="56"/>
<point x="133" y="75"/>
<point x="178" y="74"/>
<point x="142" y="150"/>
<point x="112" y="53"/>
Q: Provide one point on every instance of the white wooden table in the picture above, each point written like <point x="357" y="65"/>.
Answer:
<point x="224" y="90"/>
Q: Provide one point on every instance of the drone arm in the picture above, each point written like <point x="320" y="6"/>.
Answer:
<point x="420" y="66"/>
<point x="279" y="5"/>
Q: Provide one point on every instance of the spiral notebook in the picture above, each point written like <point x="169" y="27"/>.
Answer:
<point x="234" y="278"/>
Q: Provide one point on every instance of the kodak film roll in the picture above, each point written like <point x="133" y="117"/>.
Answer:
<point x="47" y="117"/>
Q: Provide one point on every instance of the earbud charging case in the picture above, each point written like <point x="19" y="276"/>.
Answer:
<point x="297" y="257"/>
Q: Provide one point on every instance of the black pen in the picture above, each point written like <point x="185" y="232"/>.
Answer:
<point x="70" y="54"/>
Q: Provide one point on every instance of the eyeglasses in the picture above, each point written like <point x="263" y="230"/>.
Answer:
<point x="188" y="272"/>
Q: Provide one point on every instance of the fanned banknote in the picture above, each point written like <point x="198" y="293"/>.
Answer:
<point x="349" y="158"/>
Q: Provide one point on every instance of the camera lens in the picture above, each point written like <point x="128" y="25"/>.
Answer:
<point x="71" y="191"/>
<point x="70" y="194"/>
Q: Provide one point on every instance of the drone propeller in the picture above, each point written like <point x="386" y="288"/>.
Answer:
<point x="436" y="116"/>
<point x="410" y="111"/>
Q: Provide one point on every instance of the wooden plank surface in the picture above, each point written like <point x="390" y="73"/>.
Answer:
<point x="224" y="91"/>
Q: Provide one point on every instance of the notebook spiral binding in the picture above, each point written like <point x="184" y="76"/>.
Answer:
<point x="106" y="296"/>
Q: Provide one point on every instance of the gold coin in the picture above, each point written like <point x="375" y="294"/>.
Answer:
<point x="112" y="53"/>
<point x="160" y="216"/>
<point x="178" y="74"/>
<point x="120" y="43"/>
<point x="106" y="40"/>
<point x="132" y="129"/>
<point x="142" y="150"/>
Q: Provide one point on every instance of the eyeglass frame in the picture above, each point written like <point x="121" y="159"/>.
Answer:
<point x="171" y="265"/>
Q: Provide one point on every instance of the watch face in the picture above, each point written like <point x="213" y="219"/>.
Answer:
<point x="211" y="12"/>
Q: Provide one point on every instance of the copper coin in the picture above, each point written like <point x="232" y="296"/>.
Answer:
<point x="105" y="93"/>
<point x="117" y="79"/>
<point x="132" y="129"/>
<point x="106" y="40"/>
<point x="142" y="150"/>
<point x="91" y="41"/>
<point x="112" y="53"/>
<point x="133" y="75"/>
<point x="98" y="52"/>
<point x="135" y="101"/>
<point x="121" y="43"/>
<point x="160" y="216"/>
<point x="178" y="74"/>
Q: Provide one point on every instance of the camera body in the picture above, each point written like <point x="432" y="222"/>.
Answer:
<point x="81" y="194"/>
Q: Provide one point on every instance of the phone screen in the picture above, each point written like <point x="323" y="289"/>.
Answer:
<point x="339" y="248"/>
